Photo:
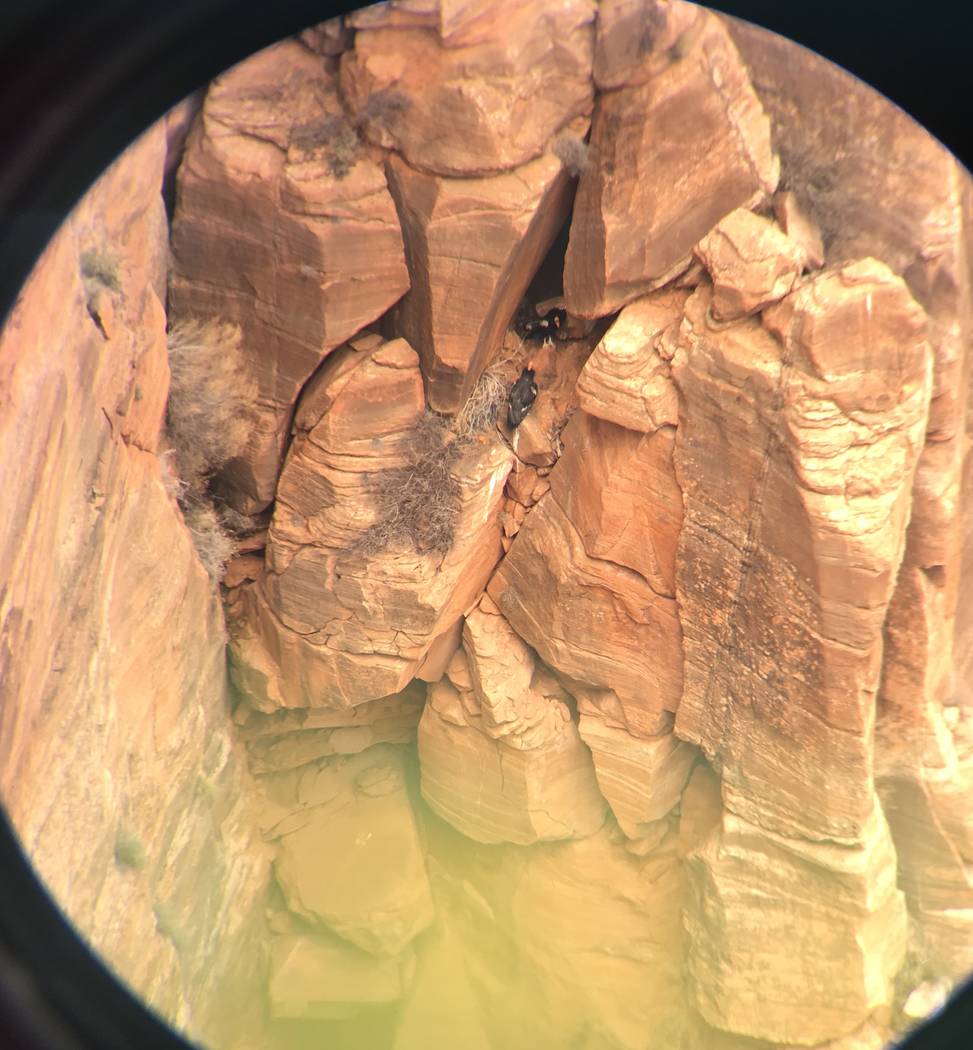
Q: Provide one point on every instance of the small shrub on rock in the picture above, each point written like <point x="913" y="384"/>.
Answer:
<point x="209" y="418"/>
<point x="419" y="504"/>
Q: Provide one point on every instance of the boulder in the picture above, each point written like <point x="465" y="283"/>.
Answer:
<point x="641" y="777"/>
<point x="679" y="151"/>
<point x="472" y="245"/>
<point x="751" y="261"/>
<point x="349" y="857"/>
<point x="333" y="623"/>
<point x="321" y="977"/>
<point x="626" y="379"/>
<point x="502" y="760"/>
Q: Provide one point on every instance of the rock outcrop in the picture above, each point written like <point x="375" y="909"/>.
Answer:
<point x="646" y="721"/>
<point x="117" y="764"/>
<point x="500" y="754"/>
<point x="331" y="623"/>
<point x="639" y="164"/>
<point x="470" y="89"/>
<point x="472" y="246"/>
<point x="797" y="489"/>
<point x="283" y="224"/>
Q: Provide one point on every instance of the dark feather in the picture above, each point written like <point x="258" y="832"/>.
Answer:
<point x="521" y="398"/>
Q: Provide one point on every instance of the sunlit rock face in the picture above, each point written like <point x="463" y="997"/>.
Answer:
<point x="118" y="766"/>
<point x="646" y="722"/>
<point x="285" y="225"/>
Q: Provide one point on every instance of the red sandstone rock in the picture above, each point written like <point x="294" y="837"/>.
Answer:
<point x="751" y="261"/>
<point x="668" y="159"/>
<point x="284" y="225"/>
<point x="483" y="92"/>
<point x="588" y="612"/>
<point x="641" y="777"/>
<point x="330" y="625"/>
<point x="533" y="778"/>
<point x="626" y="380"/>
<point x="802" y="463"/>
<point x="761" y="904"/>
<point x="118" y="770"/>
<point x="637" y="39"/>
<point x="472" y="246"/>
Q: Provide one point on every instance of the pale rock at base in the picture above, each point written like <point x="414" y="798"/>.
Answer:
<point x="349" y="856"/>
<point x="314" y="976"/>
<point x="814" y="932"/>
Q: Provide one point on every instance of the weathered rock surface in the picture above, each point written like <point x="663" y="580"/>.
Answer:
<point x="348" y="853"/>
<point x="329" y="625"/>
<point x="588" y="582"/>
<point x="290" y="738"/>
<point x="680" y="151"/>
<point x="117" y="769"/>
<point x="324" y="977"/>
<point x="500" y="755"/>
<point x="805" y="467"/>
<point x="471" y="89"/>
<point x="626" y="379"/>
<point x="472" y="246"/>
<point x="283" y="224"/>
<point x="751" y="261"/>
<point x="570" y="941"/>
<point x="814" y="932"/>
<point x="642" y="778"/>
<point x="638" y="39"/>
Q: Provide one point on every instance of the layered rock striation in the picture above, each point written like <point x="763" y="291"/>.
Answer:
<point x="646" y="720"/>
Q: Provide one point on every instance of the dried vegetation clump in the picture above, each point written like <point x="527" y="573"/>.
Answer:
<point x="209" y="417"/>
<point x="572" y="152"/>
<point x="418" y="504"/>
<point x="99" y="269"/>
<point x="334" y="137"/>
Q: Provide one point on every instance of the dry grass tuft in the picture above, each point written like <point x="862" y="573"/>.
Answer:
<point x="210" y="397"/>
<point x="213" y="544"/>
<point x="99" y="268"/>
<point x="418" y="504"/>
<point x="384" y="108"/>
<point x="572" y="152"/>
<point x="334" y="136"/>
<point x="209" y="417"/>
<point x="479" y="414"/>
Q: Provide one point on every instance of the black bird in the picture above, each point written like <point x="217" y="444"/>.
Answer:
<point x="549" y="325"/>
<point x="521" y="397"/>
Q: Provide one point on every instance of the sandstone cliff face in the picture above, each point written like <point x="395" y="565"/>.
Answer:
<point x="117" y="763"/>
<point x="647" y="721"/>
